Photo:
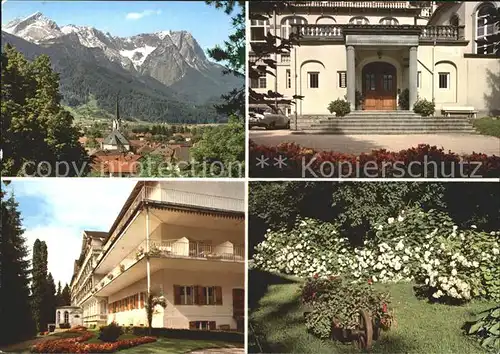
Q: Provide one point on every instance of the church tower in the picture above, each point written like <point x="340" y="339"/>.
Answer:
<point x="117" y="121"/>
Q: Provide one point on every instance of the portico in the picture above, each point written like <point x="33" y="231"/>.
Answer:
<point x="376" y="60"/>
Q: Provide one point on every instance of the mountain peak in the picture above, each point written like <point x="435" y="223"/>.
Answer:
<point x="34" y="28"/>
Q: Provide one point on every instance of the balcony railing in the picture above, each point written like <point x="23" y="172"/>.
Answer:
<point x="427" y="33"/>
<point x="285" y="58"/>
<point x="196" y="250"/>
<point x="358" y="4"/>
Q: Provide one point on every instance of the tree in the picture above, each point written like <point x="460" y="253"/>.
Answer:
<point x="59" y="294"/>
<point x="39" y="285"/>
<point x="15" y="310"/>
<point x="66" y="296"/>
<point x="263" y="52"/>
<point x="51" y="299"/>
<point x="150" y="307"/>
<point x="31" y="112"/>
<point x="232" y="55"/>
<point x="221" y="151"/>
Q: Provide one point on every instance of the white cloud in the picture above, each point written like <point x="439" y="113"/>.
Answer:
<point x="73" y="205"/>
<point x="139" y="15"/>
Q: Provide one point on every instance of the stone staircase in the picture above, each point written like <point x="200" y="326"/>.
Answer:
<point x="382" y="122"/>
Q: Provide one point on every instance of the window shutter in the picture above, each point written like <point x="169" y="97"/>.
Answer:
<point x="201" y="295"/>
<point x="192" y="324"/>
<point x="142" y="300"/>
<point x="212" y="325"/>
<point x="218" y="295"/>
<point x="177" y="295"/>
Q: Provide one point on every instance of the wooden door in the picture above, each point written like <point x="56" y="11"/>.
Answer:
<point x="379" y="86"/>
<point x="238" y="302"/>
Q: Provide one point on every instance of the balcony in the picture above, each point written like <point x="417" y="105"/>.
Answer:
<point x="360" y="4"/>
<point x="336" y="32"/>
<point x="178" y="249"/>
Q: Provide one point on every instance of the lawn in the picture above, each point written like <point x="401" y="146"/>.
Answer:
<point x="420" y="327"/>
<point x="488" y="126"/>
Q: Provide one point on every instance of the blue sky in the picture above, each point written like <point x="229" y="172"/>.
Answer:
<point x="57" y="211"/>
<point x="208" y="25"/>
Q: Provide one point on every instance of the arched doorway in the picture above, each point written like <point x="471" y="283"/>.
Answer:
<point x="379" y="86"/>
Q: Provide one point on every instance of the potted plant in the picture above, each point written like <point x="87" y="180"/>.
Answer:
<point x="122" y="268"/>
<point x="139" y="253"/>
<point x="360" y="101"/>
<point x="345" y="310"/>
<point x="154" y="251"/>
<point x="110" y="276"/>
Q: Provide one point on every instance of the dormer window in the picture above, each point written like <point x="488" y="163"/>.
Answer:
<point x="389" y="21"/>
<point x="286" y="25"/>
<point x="359" y="21"/>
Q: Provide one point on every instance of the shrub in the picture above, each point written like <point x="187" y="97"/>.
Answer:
<point x="217" y="335"/>
<point x="404" y="100"/>
<point x="340" y="107"/>
<point x="110" y="333"/>
<point x="486" y="328"/>
<point x="424" y="107"/>
<point x="448" y="264"/>
<point x="52" y="327"/>
<point x="417" y="162"/>
<point x="64" y="325"/>
<point x="336" y="302"/>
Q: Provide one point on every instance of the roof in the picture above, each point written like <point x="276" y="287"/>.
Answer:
<point x="116" y="138"/>
<point x="96" y="234"/>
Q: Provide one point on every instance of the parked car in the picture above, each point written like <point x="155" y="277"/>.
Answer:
<point x="269" y="120"/>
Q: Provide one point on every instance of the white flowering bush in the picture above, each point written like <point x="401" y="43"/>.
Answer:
<point x="449" y="264"/>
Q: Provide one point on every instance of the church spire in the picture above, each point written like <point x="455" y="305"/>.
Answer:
<point x="117" y="120"/>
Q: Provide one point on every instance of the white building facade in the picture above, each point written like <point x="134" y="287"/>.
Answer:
<point x="380" y="48"/>
<point x="183" y="240"/>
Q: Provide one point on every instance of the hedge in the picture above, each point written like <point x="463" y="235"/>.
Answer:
<point x="423" y="161"/>
<point x="224" y="336"/>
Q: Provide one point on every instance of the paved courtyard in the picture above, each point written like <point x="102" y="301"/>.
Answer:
<point x="356" y="144"/>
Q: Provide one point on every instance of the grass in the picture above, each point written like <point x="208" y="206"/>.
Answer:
<point x="176" y="346"/>
<point x="420" y="327"/>
<point x="488" y="126"/>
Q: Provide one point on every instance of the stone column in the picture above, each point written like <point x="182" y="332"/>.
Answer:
<point x="351" y="77"/>
<point x="412" y="82"/>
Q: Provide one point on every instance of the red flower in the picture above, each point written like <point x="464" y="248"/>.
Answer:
<point x="313" y="295"/>
<point x="315" y="276"/>
<point x="384" y="308"/>
<point x="370" y="282"/>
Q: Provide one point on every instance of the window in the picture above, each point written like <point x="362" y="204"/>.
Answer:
<point x="389" y="21"/>
<point x="187" y="295"/>
<point x="209" y="295"/>
<point x="444" y="79"/>
<point x="203" y="325"/>
<point x="359" y="21"/>
<point x="66" y="317"/>
<point x="258" y="30"/>
<point x="313" y="79"/>
<point x="454" y="20"/>
<point x="286" y="25"/>
<point x="388" y="82"/>
<point x="260" y="83"/>
<point x="485" y="29"/>
<point x="419" y="79"/>
<point x="288" y="78"/>
<point x="58" y="316"/>
<point x="342" y="76"/>
<point x="369" y="82"/>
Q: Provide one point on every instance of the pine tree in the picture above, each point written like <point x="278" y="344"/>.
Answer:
<point x="66" y="296"/>
<point x="51" y="300"/>
<point x="39" y="285"/>
<point x="16" y="323"/>
<point x="31" y="111"/>
<point x="59" y="294"/>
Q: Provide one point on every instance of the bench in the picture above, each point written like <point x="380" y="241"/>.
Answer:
<point x="469" y="111"/>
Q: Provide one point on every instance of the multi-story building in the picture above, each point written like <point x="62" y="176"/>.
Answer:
<point x="380" y="48"/>
<point x="183" y="240"/>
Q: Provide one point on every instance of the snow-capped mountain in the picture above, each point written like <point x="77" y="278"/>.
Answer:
<point x="167" y="56"/>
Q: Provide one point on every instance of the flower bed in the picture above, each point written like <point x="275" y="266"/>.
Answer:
<point x="420" y="162"/>
<point x="78" y="345"/>
<point x="448" y="264"/>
